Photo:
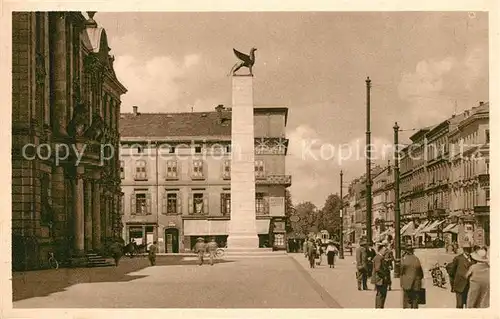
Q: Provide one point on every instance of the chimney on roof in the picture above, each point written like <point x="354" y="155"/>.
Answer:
<point x="219" y="108"/>
<point x="481" y="103"/>
<point x="135" y="107"/>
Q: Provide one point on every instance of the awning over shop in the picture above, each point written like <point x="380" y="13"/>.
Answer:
<point x="407" y="229"/>
<point x="420" y="228"/>
<point x="205" y="227"/>
<point x="432" y="227"/>
<point x="262" y="226"/>
<point x="451" y="228"/>
<point x="218" y="227"/>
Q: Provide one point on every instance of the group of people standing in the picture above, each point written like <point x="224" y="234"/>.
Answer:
<point x="314" y="251"/>
<point x="469" y="274"/>
<point x="201" y="248"/>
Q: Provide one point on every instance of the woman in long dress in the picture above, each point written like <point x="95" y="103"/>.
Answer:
<point x="331" y="251"/>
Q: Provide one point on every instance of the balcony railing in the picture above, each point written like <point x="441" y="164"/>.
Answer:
<point x="285" y="180"/>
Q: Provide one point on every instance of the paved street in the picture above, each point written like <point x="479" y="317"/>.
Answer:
<point x="340" y="282"/>
<point x="177" y="282"/>
<point x="252" y="283"/>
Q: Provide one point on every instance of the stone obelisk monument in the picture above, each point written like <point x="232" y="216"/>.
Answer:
<point x="242" y="226"/>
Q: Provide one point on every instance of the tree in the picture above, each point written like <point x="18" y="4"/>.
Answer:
<point x="289" y="211"/>
<point x="330" y="215"/>
<point x="308" y="221"/>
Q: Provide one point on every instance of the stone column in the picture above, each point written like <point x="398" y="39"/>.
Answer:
<point x="78" y="217"/>
<point x="88" y="214"/>
<point x="96" y="216"/>
<point x="58" y="203"/>
<point x="242" y="226"/>
<point x="60" y="75"/>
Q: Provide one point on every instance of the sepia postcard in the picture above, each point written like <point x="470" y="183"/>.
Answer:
<point x="249" y="160"/>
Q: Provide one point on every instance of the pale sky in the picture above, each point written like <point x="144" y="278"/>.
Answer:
<point x="423" y="66"/>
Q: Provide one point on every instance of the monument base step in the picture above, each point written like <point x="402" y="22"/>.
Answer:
<point x="236" y="253"/>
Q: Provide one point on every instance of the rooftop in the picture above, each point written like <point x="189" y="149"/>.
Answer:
<point x="212" y="123"/>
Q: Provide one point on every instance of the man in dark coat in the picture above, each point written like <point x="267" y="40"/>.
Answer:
<point x="370" y="253"/>
<point x="381" y="276"/>
<point x="457" y="271"/>
<point x="411" y="278"/>
<point x="362" y="264"/>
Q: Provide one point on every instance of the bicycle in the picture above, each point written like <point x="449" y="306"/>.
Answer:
<point x="219" y="253"/>
<point x="53" y="263"/>
<point x="438" y="278"/>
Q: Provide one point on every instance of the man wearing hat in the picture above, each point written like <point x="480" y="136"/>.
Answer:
<point x="362" y="264"/>
<point x="381" y="276"/>
<point x="200" y="248"/>
<point x="457" y="270"/>
<point x="212" y="249"/>
<point x="479" y="279"/>
<point x="411" y="278"/>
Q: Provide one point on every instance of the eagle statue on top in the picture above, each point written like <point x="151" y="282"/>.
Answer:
<point x="246" y="61"/>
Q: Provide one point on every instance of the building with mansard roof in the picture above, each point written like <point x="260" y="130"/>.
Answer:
<point x="65" y="93"/>
<point x="176" y="176"/>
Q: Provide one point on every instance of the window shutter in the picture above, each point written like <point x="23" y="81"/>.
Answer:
<point x="178" y="167"/>
<point x="132" y="204"/>
<point x="145" y="170"/>
<point x="190" y="207"/>
<point x="148" y="203"/>
<point x="223" y="169"/>
<point x="205" y="203"/>
<point x="191" y="168"/>
<point x="222" y="204"/>
<point x="179" y="203"/>
<point x="204" y="169"/>
<point x="164" y="203"/>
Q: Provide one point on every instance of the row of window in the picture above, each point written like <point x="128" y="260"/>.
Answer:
<point x="172" y="149"/>
<point x="198" y="203"/>
<point x="197" y="169"/>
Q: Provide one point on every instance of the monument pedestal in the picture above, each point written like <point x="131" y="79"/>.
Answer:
<point x="242" y="226"/>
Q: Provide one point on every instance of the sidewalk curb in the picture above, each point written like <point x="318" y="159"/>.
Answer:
<point x="325" y="296"/>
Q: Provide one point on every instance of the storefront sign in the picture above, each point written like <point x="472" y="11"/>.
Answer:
<point x="279" y="227"/>
<point x="276" y="206"/>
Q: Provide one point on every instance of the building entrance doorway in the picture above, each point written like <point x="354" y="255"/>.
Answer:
<point x="172" y="240"/>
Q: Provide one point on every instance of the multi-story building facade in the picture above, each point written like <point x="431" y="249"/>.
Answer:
<point x="66" y="104"/>
<point x="383" y="202"/>
<point x="176" y="172"/>
<point x="469" y="176"/>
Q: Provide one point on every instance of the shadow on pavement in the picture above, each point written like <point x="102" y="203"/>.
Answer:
<point x="45" y="282"/>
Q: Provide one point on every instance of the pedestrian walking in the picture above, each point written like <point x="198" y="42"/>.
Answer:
<point x="479" y="281"/>
<point x="389" y="258"/>
<point x="457" y="270"/>
<point x="116" y="249"/>
<point x="212" y="249"/>
<point x="380" y="277"/>
<point x="304" y="248"/>
<point x="200" y="249"/>
<point x="411" y="278"/>
<point x="319" y="252"/>
<point x="311" y="252"/>
<point x="152" y="253"/>
<point x="331" y="251"/>
<point x="362" y="265"/>
<point x="370" y="253"/>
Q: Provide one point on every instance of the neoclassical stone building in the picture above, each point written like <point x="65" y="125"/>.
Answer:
<point x="66" y="105"/>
